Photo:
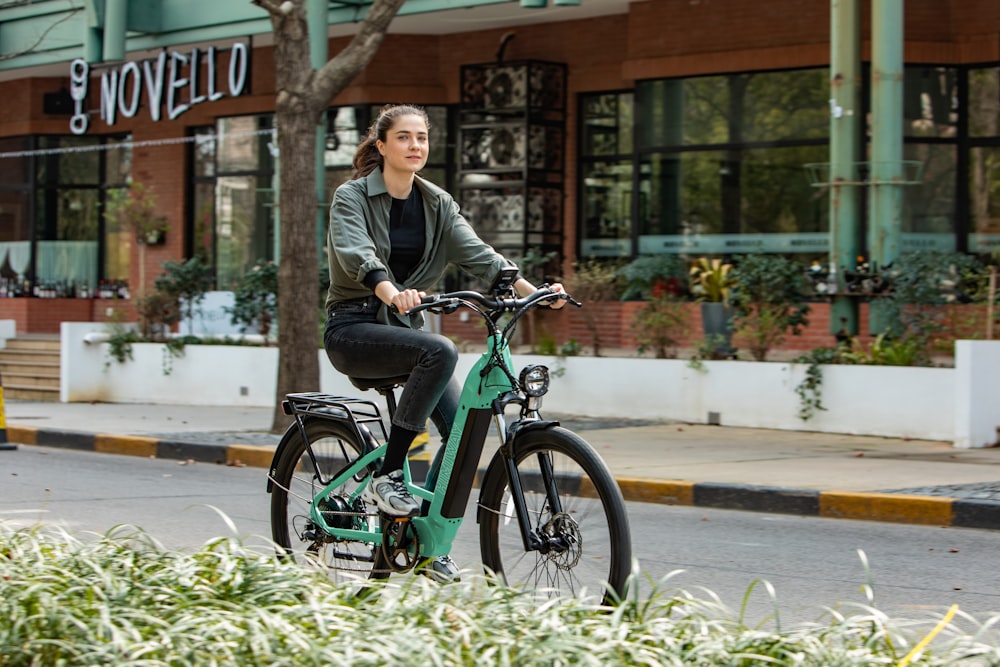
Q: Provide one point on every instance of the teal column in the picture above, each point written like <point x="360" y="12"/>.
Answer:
<point x="318" y="38"/>
<point x="845" y="101"/>
<point x="115" y="19"/>
<point x="886" y="169"/>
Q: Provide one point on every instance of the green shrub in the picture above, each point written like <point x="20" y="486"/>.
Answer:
<point x="769" y="298"/>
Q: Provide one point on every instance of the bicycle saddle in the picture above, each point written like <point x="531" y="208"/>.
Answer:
<point x="378" y="384"/>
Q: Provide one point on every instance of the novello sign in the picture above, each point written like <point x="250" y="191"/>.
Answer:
<point x="172" y="80"/>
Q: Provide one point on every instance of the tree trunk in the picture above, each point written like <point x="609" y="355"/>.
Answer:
<point x="303" y="95"/>
<point x="296" y="115"/>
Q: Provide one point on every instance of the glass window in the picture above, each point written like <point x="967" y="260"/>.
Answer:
<point x="244" y="230"/>
<point x="607" y="125"/>
<point x="243" y="144"/>
<point x="204" y="152"/>
<point x="78" y="162"/>
<point x="930" y="101"/>
<point x="984" y="204"/>
<point x="984" y="102"/>
<point x="732" y="109"/>
<point x="607" y="209"/>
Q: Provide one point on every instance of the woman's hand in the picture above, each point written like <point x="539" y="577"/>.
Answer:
<point x="557" y="303"/>
<point x="408" y="298"/>
<point x="525" y="288"/>
<point x="402" y="300"/>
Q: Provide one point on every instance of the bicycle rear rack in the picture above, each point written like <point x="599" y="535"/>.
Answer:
<point x="358" y="411"/>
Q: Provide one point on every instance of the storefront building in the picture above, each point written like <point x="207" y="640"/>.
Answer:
<point x="603" y="128"/>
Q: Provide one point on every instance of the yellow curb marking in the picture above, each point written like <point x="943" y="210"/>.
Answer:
<point x="127" y="445"/>
<point x="255" y="456"/>
<point x="895" y="507"/>
<point x="25" y="435"/>
<point x="657" y="491"/>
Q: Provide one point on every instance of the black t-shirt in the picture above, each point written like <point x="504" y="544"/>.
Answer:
<point x="406" y="238"/>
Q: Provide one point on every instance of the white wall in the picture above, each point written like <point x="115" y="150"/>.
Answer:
<point x="977" y="410"/>
<point x="925" y="403"/>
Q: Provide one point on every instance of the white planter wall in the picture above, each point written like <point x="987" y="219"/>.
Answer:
<point x="925" y="403"/>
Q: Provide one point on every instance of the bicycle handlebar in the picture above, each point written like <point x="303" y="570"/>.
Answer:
<point x="451" y="301"/>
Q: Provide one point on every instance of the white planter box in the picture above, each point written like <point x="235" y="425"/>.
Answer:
<point x="903" y="402"/>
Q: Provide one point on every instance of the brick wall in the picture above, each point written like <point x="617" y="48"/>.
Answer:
<point x="657" y="38"/>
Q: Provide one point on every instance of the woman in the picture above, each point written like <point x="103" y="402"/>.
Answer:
<point x="392" y="235"/>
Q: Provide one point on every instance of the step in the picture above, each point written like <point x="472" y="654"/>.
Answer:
<point x="29" y="356"/>
<point x="31" y="394"/>
<point x="32" y="381"/>
<point x="34" y="342"/>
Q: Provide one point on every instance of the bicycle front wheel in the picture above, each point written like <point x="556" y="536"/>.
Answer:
<point x="574" y="507"/>
<point x="296" y="483"/>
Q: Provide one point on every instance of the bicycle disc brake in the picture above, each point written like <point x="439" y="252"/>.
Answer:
<point x="400" y="544"/>
<point x="562" y="533"/>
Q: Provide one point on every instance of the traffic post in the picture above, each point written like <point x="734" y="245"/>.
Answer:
<point x="4" y="445"/>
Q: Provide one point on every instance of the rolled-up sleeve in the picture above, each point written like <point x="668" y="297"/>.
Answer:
<point x="349" y="236"/>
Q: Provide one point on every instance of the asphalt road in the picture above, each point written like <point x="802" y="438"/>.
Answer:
<point x="916" y="572"/>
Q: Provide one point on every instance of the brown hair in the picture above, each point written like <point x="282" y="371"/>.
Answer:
<point x="366" y="157"/>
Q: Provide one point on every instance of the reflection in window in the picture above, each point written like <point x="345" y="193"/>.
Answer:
<point x="15" y="199"/>
<point x="984" y="206"/>
<point x="607" y="209"/>
<point x="731" y="109"/>
<point x="984" y="102"/>
<point x="243" y="234"/>
<point x="70" y="228"/>
<point x="243" y="144"/>
<point x="930" y="98"/>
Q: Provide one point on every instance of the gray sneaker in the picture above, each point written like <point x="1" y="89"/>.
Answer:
<point x="442" y="570"/>
<point x="389" y="493"/>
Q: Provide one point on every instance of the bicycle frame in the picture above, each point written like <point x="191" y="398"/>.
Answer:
<point x="488" y="388"/>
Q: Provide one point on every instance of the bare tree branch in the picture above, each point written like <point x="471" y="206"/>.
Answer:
<point x="271" y="7"/>
<point x="41" y="38"/>
<point x="336" y="74"/>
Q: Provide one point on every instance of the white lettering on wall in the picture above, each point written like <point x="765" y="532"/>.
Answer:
<point x="238" y="62"/>
<point x="79" y="77"/>
<point x="131" y="80"/>
<point x="213" y="94"/>
<point x="172" y="78"/>
<point x="175" y="108"/>
<point x="154" y="83"/>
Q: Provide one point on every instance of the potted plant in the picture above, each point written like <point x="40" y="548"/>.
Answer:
<point x="712" y="284"/>
<point x="769" y="301"/>
<point x="659" y="325"/>
<point x="652" y="277"/>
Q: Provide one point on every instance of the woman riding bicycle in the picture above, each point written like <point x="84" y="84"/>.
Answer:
<point x="392" y="236"/>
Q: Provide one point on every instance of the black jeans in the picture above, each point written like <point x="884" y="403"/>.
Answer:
<point x="359" y="346"/>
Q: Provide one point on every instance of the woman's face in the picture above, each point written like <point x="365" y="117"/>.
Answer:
<point x="406" y="145"/>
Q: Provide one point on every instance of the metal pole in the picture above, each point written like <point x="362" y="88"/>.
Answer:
<point x="845" y="100"/>
<point x="886" y="170"/>
<point x="316" y="11"/>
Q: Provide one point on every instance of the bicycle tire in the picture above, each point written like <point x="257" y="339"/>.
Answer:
<point x="593" y="518"/>
<point x="335" y="444"/>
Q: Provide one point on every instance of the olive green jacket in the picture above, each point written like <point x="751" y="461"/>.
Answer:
<point x="357" y="242"/>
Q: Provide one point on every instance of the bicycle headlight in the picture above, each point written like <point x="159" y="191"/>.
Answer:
<point x="535" y="380"/>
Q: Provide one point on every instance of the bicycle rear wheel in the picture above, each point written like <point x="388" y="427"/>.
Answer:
<point x="296" y="481"/>
<point x="581" y="518"/>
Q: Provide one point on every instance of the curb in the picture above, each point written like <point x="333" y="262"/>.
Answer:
<point x="864" y="506"/>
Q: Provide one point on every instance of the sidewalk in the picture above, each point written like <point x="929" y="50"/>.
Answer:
<point x="791" y="472"/>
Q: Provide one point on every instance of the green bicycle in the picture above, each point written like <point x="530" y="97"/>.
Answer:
<point x="551" y="515"/>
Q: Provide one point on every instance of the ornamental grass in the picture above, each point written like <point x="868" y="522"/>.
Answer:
<point x="122" y="599"/>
